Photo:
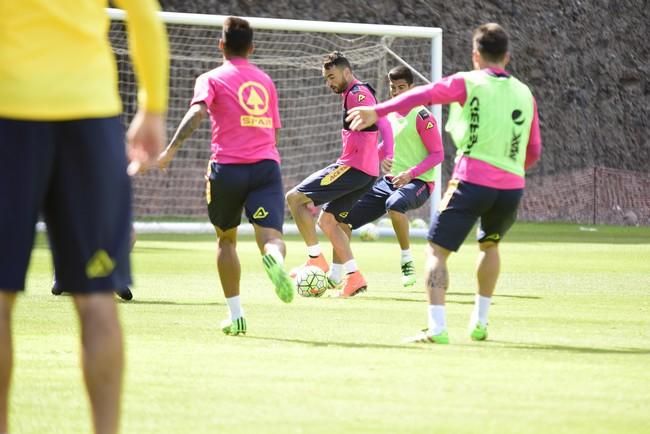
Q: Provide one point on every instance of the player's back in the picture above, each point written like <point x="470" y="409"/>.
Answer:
<point x="243" y="106"/>
<point x="55" y="60"/>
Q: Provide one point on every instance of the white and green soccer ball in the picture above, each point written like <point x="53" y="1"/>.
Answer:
<point x="369" y="232"/>
<point x="311" y="281"/>
<point x="419" y="224"/>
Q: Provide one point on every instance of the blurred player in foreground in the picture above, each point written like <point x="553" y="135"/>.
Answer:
<point x="62" y="153"/>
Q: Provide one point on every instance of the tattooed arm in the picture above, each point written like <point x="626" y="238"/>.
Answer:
<point x="190" y="122"/>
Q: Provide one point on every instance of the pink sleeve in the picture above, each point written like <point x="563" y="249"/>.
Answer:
<point x="359" y="97"/>
<point x="203" y="92"/>
<point x="428" y="130"/>
<point x="387" y="145"/>
<point x="446" y="91"/>
<point x="534" y="148"/>
<point x="277" y="123"/>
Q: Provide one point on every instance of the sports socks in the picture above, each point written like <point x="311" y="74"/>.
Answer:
<point x="314" y="251"/>
<point x="437" y="319"/>
<point x="234" y="305"/>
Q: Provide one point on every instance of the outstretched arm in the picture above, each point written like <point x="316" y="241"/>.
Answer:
<point x="190" y="122"/>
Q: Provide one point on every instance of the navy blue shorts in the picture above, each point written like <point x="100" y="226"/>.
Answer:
<point x="383" y="197"/>
<point x="74" y="174"/>
<point x="337" y="188"/>
<point x="255" y="188"/>
<point x="463" y="204"/>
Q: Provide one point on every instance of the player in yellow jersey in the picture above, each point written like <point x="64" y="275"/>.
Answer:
<point x="62" y="155"/>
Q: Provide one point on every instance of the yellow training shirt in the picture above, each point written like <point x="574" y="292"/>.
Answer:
<point x="56" y="61"/>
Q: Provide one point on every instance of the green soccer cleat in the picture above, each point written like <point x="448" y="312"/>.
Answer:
<point x="425" y="338"/>
<point x="234" y="328"/>
<point x="284" y="286"/>
<point x="479" y="332"/>
<point x="408" y="274"/>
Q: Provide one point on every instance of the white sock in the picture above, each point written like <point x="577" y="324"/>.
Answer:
<point x="481" y="309"/>
<point x="314" y="250"/>
<point x="350" y="266"/>
<point x="437" y="318"/>
<point x="336" y="272"/>
<point x="406" y="256"/>
<point x="274" y="250"/>
<point x="234" y="305"/>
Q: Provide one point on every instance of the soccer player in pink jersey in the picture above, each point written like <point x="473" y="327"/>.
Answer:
<point x="338" y="186"/>
<point x="494" y="123"/>
<point x="244" y="171"/>
<point x="409" y="177"/>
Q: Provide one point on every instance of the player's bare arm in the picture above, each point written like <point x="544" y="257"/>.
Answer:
<point x="191" y="121"/>
<point x="361" y="117"/>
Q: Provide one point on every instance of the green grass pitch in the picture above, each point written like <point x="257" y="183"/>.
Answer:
<point x="569" y="348"/>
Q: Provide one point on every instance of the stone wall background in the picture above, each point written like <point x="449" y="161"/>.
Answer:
<point x="587" y="62"/>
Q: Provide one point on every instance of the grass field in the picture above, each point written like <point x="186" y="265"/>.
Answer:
<point x="569" y="348"/>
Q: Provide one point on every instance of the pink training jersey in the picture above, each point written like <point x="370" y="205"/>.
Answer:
<point x="243" y="106"/>
<point x="359" y="147"/>
<point x="452" y="89"/>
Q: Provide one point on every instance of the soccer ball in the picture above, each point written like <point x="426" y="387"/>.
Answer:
<point x="418" y="224"/>
<point x="311" y="281"/>
<point x="369" y="232"/>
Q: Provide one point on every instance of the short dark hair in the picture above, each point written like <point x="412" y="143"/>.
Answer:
<point x="401" y="72"/>
<point x="491" y="41"/>
<point x="336" y="58"/>
<point x="237" y="36"/>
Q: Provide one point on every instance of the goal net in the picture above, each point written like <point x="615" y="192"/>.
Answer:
<point x="290" y="51"/>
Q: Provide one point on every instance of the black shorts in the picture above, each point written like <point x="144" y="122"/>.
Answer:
<point x="463" y="204"/>
<point x="74" y="173"/>
<point x="255" y="188"/>
<point x="337" y="188"/>
<point x="385" y="197"/>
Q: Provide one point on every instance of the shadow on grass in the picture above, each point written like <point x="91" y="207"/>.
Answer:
<point x="471" y="294"/>
<point x="344" y="344"/>
<point x="569" y="348"/>
<point x="171" y="303"/>
<point x="412" y="300"/>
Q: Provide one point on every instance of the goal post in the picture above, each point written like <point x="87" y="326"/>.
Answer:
<point x="290" y="51"/>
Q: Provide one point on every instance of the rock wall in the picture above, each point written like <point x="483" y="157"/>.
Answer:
<point x="587" y="62"/>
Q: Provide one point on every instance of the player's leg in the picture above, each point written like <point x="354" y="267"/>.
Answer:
<point x="88" y="215"/>
<point x="460" y="208"/>
<point x="265" y="210"/>
<point x="409" y="197"/>
<point x="226" y="190"/>
<point x="7" y="300"/>
<point x="125" y="293"/>
<point x="356" y="183"/>
<point x="495" y="222"/>
<point x="102" y="357"/>
<point x="318" y="188"/>
<point x="26" y="156"/>
<point x="369" y="208"/>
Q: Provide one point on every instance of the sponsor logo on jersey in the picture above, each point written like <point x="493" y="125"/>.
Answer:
<point x="254" y="99"/>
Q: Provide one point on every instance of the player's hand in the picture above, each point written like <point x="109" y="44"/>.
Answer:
<point x="361" y="118"/>
<point x="402" y="179"/>
<point x="145" y="138"/>
<point x="386" y="165"/>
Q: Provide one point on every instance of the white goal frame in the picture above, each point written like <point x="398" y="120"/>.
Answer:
<point x="433" y="33"/>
